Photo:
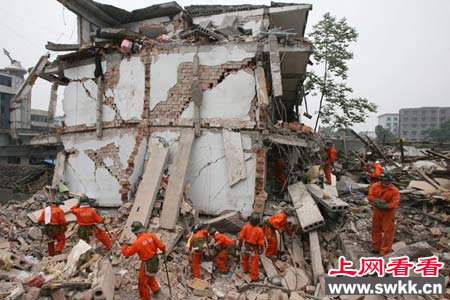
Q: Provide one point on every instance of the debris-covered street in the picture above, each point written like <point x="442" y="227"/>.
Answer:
<point x="178" y="159"/>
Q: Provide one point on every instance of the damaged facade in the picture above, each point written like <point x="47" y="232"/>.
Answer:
<point x="221" y="74"/>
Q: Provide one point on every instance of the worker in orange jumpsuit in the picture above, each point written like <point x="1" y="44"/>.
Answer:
<point x="331" y="158"/>
<point x="197" y="242"/>
<point x="55" y="226"/>
<point x="87" y="220"/>
<point x="224" y="246"/>
<point x="253" y="237"/>
<point x="384" y="197"/>
<point x="146" y="246"/>
<point x="277" y="222"/>
<point x="280" y="168"/>
<point x="375" y="171"/>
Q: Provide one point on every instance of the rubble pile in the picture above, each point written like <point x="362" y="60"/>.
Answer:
<point x="24" y="178"/>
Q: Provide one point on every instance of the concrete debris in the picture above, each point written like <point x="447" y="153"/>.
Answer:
<point x="177" y="117"/>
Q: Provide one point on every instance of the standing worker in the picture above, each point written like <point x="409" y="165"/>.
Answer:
<point x="280" y="173"/>
<point x="146" y="246"/>
<point x="384" y="197"/>
<point x="197" y="242"/>
<point x="55" y="226"/>
<point x="278" y="223"/>
<point x="224" y="247"/>
<point x="331" y="158"/>
<point x="87" y="220"/>
<point x="253" y="237"/>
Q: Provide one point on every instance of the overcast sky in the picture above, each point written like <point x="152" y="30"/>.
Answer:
<point x="402" y="57"/>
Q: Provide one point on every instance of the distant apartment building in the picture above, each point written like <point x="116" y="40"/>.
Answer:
<point x="390" y="122"/>
<point x="414" y="122"/>
<point x="39" y="120"/>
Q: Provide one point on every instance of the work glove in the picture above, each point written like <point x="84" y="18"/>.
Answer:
<point x="380" y="203"/>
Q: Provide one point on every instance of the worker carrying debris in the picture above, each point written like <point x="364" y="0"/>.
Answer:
<point x="224" y="246"/>
<point x="384" y="197"/>
<point x="197" y="243"/>
<point x="146" y="246"/>
<point x="87" y="220"/>
<point x="252" y="237"/>
<point x="55" y="226"/>
<point x="330" y="159"/>
<point x="274" y="227"/>
<point x="373" y="171"/>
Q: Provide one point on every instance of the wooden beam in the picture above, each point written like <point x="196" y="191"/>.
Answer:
<point x="61" y="47"/>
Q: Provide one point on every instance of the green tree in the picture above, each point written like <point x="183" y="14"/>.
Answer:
<point x="384" y="135"/>
<point x="331" y="39"/>
<point x="441" y="134"/>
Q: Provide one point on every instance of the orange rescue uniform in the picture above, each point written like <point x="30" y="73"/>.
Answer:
<point x="383" y="222"/>
<point x="279" y="223"/>
<point x="87" y="218"/>
<point x="55" y="230"/>
<point x="254" y="243"/>
<point x="198" y="239"/>
<point x="331" y="158"/>
<point x="146" y="246"/>
<point x="223" y="242"/>
<point x="377" y="170"/>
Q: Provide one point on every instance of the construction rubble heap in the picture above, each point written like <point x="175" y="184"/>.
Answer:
<point x="178" y="117"/>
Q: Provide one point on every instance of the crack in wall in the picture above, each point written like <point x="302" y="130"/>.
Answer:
<point x="180" y="95"/>
<point x="205" y="166"/>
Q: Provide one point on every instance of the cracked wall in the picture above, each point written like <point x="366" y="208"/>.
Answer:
<point x="207" y="176"/>
<point x="107" y="169"/>
<point x="123" y="97"/>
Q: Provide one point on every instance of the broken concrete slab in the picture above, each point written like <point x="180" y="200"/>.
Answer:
<point x="306" y="208"/>
<point x="269" y="267"/>
<point x="328" y="201"/>
<point x="419" y="249"/>
<point x="148" y="189"/>
<point x="104" y="281"/>
<point x="347" y="184"/>
<point x="275" y="66"/>
<point x="229" y="222"/>
<point x="295" y="279"/>
<point x="175" y="188"/>
<point x="81" y="249"/>
<point x="234" y="156"/>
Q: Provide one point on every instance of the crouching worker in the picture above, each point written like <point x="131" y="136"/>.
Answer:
<point x="224" y="247"/>
<point x="55" y="226"/>
<point x="87" y="220"/>
<point x="146" y="246"/>
<point x="252" y="237"/>
<point x="274" y="228"/>
<point x="197" y="242"/>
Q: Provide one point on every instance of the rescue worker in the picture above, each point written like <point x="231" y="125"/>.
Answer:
<point x="253" y="237"/>
<point x="278" y="223"/>
<point x="197" y="242"/>
<point x="384" y="197"/>
<point x="330" y="159"/>
<point x="87" y="220"/>
<point x="224" y="247"/>
<point x="374" y="171"/>
<point x="280" y="169"/>
<point x="146" y="246"/>
<point x="55" y="226"/>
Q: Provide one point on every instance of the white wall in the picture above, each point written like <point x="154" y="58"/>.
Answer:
<point x="207" y="174"/>
<point x="232" y="98"/>
<point x="80" y="172"/>
<point x="80" y="107"/>
<point x="164" y="67"/>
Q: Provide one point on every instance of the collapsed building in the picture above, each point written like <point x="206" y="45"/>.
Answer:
<point x="207" y="83"/>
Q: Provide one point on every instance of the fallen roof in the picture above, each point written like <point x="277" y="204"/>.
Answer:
<point x="109" y="15"/>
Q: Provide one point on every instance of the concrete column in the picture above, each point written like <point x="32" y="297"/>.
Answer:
<point x="99" y="122"/>
<point x="52" y="103"/>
